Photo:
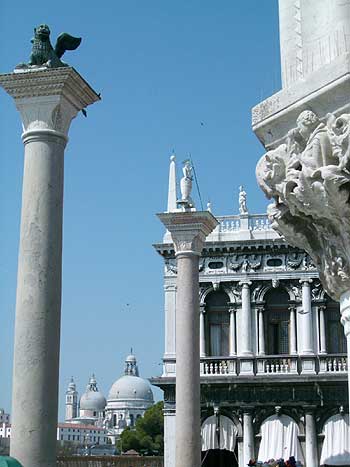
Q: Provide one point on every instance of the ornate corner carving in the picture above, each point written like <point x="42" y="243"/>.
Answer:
<point x="308" y="177"/>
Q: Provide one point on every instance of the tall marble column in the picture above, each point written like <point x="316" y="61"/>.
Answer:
<point x="233" y="341"/>
<point x="262" y="350"/>
<point x="248" y="436"/>
<point x="202" y="330"/>
<point x="322" y="318"/>
<point x="188" y="230"/>
<point x="345" y="319"/>
<point x="47" y="100"/>
<point x="293" y="335"/>
<point x="246" y="318"/>
<point x="311" y="451"/>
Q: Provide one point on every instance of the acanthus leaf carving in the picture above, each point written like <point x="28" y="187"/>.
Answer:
<point x="308" y="177"/>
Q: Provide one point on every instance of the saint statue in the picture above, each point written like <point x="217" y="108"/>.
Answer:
<point x="186" y="184"/>
<point x="242" y="201"/>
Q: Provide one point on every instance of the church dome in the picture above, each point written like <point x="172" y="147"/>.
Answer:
<point x="131" y="385"/>
<point x="92" y="399"/>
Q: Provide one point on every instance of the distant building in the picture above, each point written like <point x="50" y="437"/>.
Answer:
<point x="81" y="434"/>
<point x="4" y="417"/>
<point x="129" y="397"/>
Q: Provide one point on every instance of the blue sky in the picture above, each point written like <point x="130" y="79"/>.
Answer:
<point x="179" y="76"/>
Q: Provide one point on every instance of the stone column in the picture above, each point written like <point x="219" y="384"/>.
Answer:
<point x="202" y="331"/>
<point x="169" y="304"/>
<point x="311" y="451"/>
<point x="293" y="335"/>
<point x="246" y="317"/>
<point x="188" y="230"/>
<point x="306" y="319"/>
<point x="248" y="436"/>
<point x="323" y="342"/>
<point x="261" y="331"/>
<point x="233" y="342"/>
<point x="47" y="101"/>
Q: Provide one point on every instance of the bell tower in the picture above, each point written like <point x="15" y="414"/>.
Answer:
<point x="71" y="401"/>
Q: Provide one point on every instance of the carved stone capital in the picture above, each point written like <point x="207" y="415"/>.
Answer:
<point x="308" y="177"/>
<point x="49" y="99"/>
<point x="189" y="229"/>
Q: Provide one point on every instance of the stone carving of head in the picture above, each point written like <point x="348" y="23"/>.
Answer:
<point x="307" y="122"/>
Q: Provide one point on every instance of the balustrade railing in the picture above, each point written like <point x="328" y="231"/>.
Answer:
<point x="233" y="223"/>
<point x="219" y="366"/>
<point x="333" y="363"/>
<point x="275" y="365"/>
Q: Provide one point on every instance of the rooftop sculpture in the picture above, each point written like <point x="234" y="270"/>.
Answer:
<point x="43" y="54"/>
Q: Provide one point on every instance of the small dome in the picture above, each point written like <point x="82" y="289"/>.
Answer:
<point x="131" y="358"/>
<point x="131" y="387"/>
<point x="92" y="399"/>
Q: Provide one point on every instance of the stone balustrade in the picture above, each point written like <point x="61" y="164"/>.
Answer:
<point x="110" y="461"/>
<point x="271" y="365"/>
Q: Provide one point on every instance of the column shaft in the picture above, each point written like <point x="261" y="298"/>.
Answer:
<point x="202" y="332"/>
<point x="306" y="320"/>
<point x="38" y="306"/>
<point x="293" y="335"/>
<point x="188" y="447"/>
<point x="323" y="345"/>
<point x="248" y="438"/>
<point x="311" y="452"/>
<point x="261" y="332"/>
<point x="246" y="317"/>
<point x="233" y="344"/>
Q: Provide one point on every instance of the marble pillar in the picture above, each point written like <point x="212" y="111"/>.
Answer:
<point x="293" y="331"/>
<point x="261" y="326"/>
<point x="202" y="330"/>
<point x="322" y="328"/>
<point x="311" y="451"/>
<point x="47" y="100"/>
<point x="233" y="340"/>
<point x="246" y="320"/>
<point x="305" y="317"/>
<point x="248" y="436"/>
<point x="188" y="230"/>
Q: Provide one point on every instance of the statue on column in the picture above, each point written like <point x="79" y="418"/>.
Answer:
<point x="308" y="177"/>
<point x="43" y="54"/>
<point x="242" y="200"/>
<point x="186" y="185"/>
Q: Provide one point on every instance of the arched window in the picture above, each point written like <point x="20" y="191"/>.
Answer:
<point x="114" y="420"/>
<point x="131" y="420"/>
<point x="218" y="323"/>
<point x="336" y="341"/>
<point x="277" y="322"/>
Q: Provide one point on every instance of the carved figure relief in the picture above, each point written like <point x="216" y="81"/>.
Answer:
<point x="244" y="263"/>
<point x="308" y="178"/>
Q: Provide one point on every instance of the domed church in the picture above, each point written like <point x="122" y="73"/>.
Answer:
<point x="129" y="397"/>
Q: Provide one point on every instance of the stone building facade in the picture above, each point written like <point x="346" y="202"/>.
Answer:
<point x="273" y="352"/>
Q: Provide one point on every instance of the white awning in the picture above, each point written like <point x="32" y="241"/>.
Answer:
<point x="336" y="444"/>
<point x="279" y="439"/>
<point x="228" y="434"/>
